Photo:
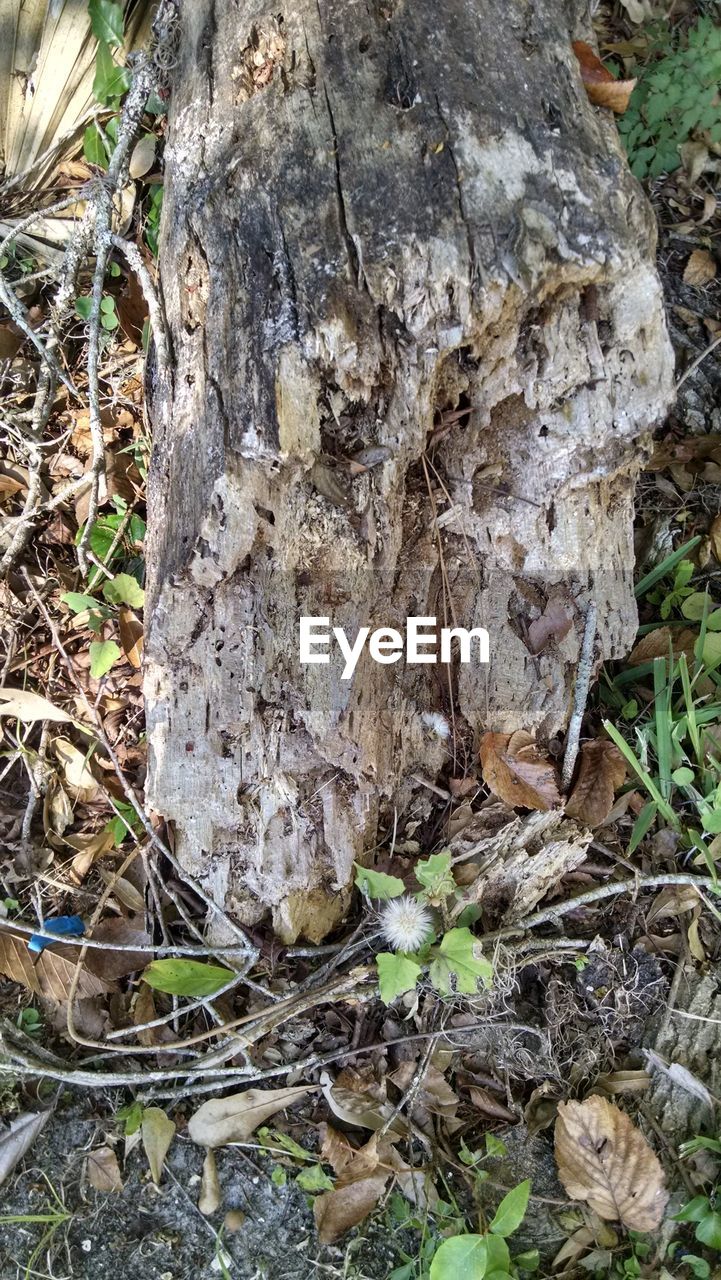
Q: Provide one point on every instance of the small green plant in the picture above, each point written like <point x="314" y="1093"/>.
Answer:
<point x="675" y="751"/>
<point x="704" y="1211"/>
<point x="30" y="1021"/>
<point x="676" y="98"/>
<point x="121" y="591"/>
<point x="407" y="923"/>
<point x="485" y="1254"/>
<point x="50" y="1223"/>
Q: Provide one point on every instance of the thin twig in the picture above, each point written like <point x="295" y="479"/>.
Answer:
<point x="580" y="697"/>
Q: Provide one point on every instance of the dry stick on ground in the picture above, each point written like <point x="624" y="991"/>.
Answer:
<point x="580" y="697"/>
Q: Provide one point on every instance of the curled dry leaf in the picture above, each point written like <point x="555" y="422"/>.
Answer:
<point x="516" y="771"/>
<point x="605" y="1160"/>
<point x="601" y="87"/>
<point x="157" y="1132"/>
<point x="700" y="268"/>
<point x="79" y="778"/>
<point x="360" y="1109"/>
<point x="554" y="623"/>
<point x="714" y="535"/>
<point x="210" y="1196"/>
<point x="335" y="1148"/>
<point x="18" y="1138"/>
<point x="602" y="771"/>
<point x="104" y="1171"/>
<point x="233" y="1119"/>
<point x="131" y="637"/>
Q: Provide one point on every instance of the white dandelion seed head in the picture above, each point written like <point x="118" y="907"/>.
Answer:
<point x="436" y="724"/>
<point x="406" y="923"/>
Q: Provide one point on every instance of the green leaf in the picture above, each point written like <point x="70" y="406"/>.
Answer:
<point x="94" y="148"/>
<point x="455" y="957"/>
<point x="83" y="307"/>
<point x="131" y="1117"/>
<point x="711" y="822"/>
<point x="397" y="973"/>
<point x="279" y="1176"/>
<point x="698" y="1266"/>
<point x="124" y="589"/>
<point x="511" y="1211"/>
<point x="376" y="884"/>
<point x="106" y="21"/>
<point x="498" y="1258"/>
<point x="460" y="1258"/>
<point x="111" y="81"/>
<point x="435" y="875"/>
<point x="683" y="777"/>
<point x="694" y="1211"/>
<point x="494" y="1146"/>
<point x="528" y="1261"/>
<point x="103" y="655"/>
<point x="708" y="1231"/>
<point x="695" y="605"/>
<point x="712" y="649"/>
<point x="186" y="977"/>
<point x="314" y="1179"/>
<point x="713" y="622"/>
<point x="78" y="603"/>
<point x="642" y="825"/>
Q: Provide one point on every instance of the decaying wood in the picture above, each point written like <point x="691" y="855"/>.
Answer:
<point x="400" y="250"/>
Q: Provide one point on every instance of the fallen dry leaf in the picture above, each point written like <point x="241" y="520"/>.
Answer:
<point x="335" y="1148"/>
<point x="358" y="1190"/>
<point x="79" y="778"/>
<point x="27" y="706"/>
<point x="157" y="1131"/>
<point x="104" y="1170"/>
<point x="18" y="1138"/>
<point x="554" y="623"/>
<point x="656" y="644"/>
<point x="51" y="974"/>
<point x="210" y="1196"/>
<point x="131" y="637"/>
<point x="700" y="268"/>
<point x="605" y="1160"/>
<point x="601" y="772"/>
<point x="233" y="1119"/>
<point x="516" y="772"/>
<point x="359" y="1109"/>
<point x="602" y="88"/>
<point x="490" y="1106"/>
<point x="110" y="965"/>
<point x="714" y="535"/>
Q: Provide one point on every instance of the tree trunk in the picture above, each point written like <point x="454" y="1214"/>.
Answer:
<point x="418" y="341"/>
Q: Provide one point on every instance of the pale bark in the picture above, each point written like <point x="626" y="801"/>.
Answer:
<point x="417" y="211"/>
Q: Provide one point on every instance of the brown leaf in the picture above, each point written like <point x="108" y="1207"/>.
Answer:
<point x="124" y="891"/>
<point x="714" y="535"/>
<point x="335" y="1148"/>
<point x="88" y="849"/>
<point x="490" y="1106"/>
<point x="210" y="1195"/>
<point x="157" y="1131"/>
<point x="104" y="1170"/>
<point x="602" y="771"/>
<point x="233" y="1119"/>
<point x="700" y="268"/>
<point x="655" y="644"/>
<point x="361" y="1109"/>
<point x="131" y="637"/>
<point x="553" y="624"/>
<point x="602" y="88"/>
<point x="17" y="1139"/>
<point x="144" y="1011"/>
<point x="357" y="1192"/>
<point x="51" y="974"/>
<point x="110" y="965"/>
<point x="79" y="779"/>
<point x="605" y="1160"/>
<point x="515" y="770"/>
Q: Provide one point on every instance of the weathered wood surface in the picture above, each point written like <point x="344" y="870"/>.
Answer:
<point x="378" y="212"/>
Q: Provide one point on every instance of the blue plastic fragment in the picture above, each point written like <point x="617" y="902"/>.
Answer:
<point x="60" y="925"/>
